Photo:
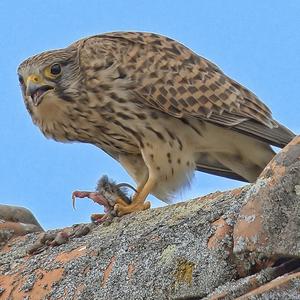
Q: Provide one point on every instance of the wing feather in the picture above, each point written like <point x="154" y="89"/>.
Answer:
<point x="165" y="75"/>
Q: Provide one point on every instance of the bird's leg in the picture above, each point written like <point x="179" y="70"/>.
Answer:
<point x="138" y="201"/>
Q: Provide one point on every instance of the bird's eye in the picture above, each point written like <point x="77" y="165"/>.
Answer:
<point x="21" y="79"/>
<point x="55" y="69"/>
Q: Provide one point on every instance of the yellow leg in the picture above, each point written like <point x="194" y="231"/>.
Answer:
<point x="141" y="185"/>
<point x="138" y="201"/>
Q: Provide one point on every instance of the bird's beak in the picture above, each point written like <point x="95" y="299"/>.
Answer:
<point x="36" y="89"/>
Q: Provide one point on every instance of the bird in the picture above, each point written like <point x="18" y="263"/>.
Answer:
<point x="154" y="105"/>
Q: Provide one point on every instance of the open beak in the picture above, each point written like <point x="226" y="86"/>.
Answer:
<point x="36" y="89"/>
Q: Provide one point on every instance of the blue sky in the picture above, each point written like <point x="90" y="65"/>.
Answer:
<point x="255" y="42"/>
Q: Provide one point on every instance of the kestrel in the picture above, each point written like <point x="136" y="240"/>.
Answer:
<point x="155" y="106"/>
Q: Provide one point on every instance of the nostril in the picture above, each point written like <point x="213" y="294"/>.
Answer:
<point x="34" y="78"/>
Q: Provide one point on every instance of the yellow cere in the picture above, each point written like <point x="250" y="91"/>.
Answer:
<point x="34" y="78"/>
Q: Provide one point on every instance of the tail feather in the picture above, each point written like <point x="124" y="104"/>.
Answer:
<point x="221" y="172"/>
<point x="277" y="136"/>
<point x="209" y="164"/>
<point x="244" y="164"/>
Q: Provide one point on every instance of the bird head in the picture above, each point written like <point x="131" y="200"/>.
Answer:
<point x="51" y="76"/>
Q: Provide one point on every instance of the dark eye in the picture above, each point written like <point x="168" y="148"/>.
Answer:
<point x="21" y="79"/>
<point x="55" y="69"/>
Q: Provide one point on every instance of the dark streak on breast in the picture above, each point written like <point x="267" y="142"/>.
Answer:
<point x="158" y="134"/>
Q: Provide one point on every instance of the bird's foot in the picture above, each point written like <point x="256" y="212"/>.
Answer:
<point x="113" y="197"/>
<point x="122" y="208"/>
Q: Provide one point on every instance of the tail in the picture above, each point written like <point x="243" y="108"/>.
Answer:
<point x="245" y="162"/>
<point x="278" y="136"/>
